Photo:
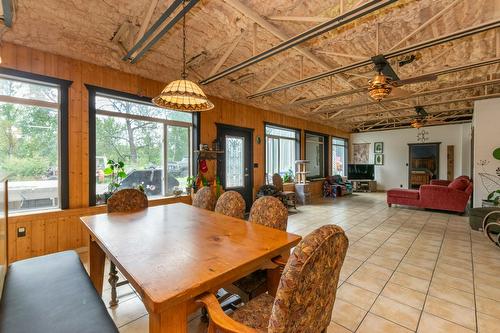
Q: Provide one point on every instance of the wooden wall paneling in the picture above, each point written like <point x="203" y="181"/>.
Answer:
<point x="23" y="244"/>
<point x="49" y="232"/>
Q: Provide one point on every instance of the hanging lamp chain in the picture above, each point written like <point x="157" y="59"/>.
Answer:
<point x="184" y="74"/>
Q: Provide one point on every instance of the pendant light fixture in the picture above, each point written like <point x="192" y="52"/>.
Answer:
<point x="183" y="95"/>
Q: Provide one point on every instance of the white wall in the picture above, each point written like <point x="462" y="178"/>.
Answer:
<point x="486" y="122"/>
<point x="394" y="172"/>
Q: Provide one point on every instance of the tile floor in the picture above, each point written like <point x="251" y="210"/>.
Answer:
<point x="406" y="270"/>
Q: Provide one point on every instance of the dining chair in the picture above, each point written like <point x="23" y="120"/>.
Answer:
<point x="231" y="203"/>
<point x="204" y="198"/>
<point x="123" y="201"/>
<point x="271" y="212"/>
<point x="305" y="296"/>
<point x="289" y="198"/>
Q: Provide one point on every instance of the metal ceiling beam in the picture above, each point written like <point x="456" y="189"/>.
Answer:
<point x="395" y="126"/>
<point x="458" y="100"/>
<point x="424" y="93"/>
<point x="406" y="115"/>
<point x="364" y="89"/>
<point x="153" y="40"/>
<point x="320" y="29"/>
<point x="412" y="48"/>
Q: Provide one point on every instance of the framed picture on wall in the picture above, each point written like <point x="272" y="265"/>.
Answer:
<point x="378" y="147"/>
<point x="379" y="159"/>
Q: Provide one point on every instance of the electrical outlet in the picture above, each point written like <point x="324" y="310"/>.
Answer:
<point x="401" y="185"/>
<point x="21" y="232"/>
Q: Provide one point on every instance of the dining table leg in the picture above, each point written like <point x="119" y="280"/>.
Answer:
<point x="171" y="320"/>
<point x="97" y="258"/>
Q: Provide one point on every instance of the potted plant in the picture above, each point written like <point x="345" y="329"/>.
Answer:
<point x="492" y="200"/>
<point x="189" y="184"/>
<point x="116" y="172"/>
<point x="288" y="177"/>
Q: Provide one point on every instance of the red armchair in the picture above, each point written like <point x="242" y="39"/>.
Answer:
<point x="440" y="194"/>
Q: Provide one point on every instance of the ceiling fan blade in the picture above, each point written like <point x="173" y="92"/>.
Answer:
<point x="398" y="92"/>
<point x="382" y="65"/>
<point x="416" y="79"/>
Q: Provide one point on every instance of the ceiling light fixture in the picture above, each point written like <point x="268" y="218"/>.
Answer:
<point x="417" y="123"/>
<point x="379" y="87"/>
<point x="183" y="95"/>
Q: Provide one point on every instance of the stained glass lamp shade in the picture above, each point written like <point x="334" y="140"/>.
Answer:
<point x="183" y="95"/>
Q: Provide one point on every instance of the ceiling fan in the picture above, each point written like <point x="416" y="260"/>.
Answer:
<point x="386" y="82"/>
<point x="422" y="118"/>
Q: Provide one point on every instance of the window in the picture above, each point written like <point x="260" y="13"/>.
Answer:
<point x="315" y="154"/>
<point x="153" y="143"/>
<point x="282" y="149"/>
<point x="339" y="156"/>
<point x="33" y="142"/>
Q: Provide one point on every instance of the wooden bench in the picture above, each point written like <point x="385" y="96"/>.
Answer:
<point x="51" y="293"/>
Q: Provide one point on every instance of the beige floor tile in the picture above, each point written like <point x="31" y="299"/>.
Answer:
<point x="452" y="312"/>
<point x="356" y="295"/>
<point x="383" y="262"/>
<point x="411" y="282"/>
<point x="127" y="311"/>
<point x="140" y="325"/>
<point x="488" y="291"/>
<point x="367" y="282"/>
<point x="452" y="295"/>
<point x="420" y="272"/>
<point x="336" y="328"/>
<point x="432" y="324"/>
<point x="399" y="313"/>
<point x="404" y="295"/>
<point x="488" y="306"/>
<point x="347" y="314"/>
<point x="375" y="324"/>
<point x="487" y="324"/>
<point x="441" y="279"/>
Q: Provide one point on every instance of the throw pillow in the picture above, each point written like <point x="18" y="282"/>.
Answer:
<point x="459" y="184"/>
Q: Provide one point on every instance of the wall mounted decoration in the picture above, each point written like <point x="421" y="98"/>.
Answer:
<point x="379" y="159"/>
<point x="378" y="147"/>
<point x="496" y="153"/>
<point x="361" y="153"/>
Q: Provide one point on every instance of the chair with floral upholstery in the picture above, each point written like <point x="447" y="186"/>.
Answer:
<point x="205" y="198"/>
<point x="123" y="201"/>
<point x="231" y="203"/>
<point x="271" y="212"/>
<point x="289" y="198"/>
<point x="305" y="296"/>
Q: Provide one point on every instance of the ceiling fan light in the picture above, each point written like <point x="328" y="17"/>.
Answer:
<point x="416" y="123"/>
<point x="379" y="87"/>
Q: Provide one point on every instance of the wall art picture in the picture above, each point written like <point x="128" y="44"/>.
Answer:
<point x="379" y="159"/>
<point x="378" y="147"/>
<point x="361" y="153"/>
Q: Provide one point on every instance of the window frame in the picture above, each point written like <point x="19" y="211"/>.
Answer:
<point x="63" y="128"/>
<point x="194" y="131"/>
<point x="298" y="143"/>
<point x="326" y="157"/>
<point x="346" y="152"/>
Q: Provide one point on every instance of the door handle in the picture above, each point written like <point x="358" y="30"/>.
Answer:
<point x="246" y="175"/>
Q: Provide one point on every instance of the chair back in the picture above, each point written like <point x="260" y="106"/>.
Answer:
<point x="127" y="200"/>
<point x="204" y="198"/>
<point x="231" y="203"/>
<point x="308" y="285"/>
<point x="269" y="211"/>
<point x="278" y="182"/>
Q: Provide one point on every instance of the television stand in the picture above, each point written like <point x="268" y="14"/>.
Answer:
<point x="364" y="185"/>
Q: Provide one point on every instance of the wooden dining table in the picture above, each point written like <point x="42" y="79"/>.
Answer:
<point x="171" y="254"/>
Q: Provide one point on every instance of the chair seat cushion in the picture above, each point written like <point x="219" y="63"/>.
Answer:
<point x="52" y="293"/>
<point x="256" y="312"/>
<point x="403" y="193"/>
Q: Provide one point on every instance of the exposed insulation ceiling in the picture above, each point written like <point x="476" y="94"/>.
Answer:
<point x="87" y="30"/>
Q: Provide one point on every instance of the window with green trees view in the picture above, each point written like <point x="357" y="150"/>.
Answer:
<point x="29" y="143"/>
<point x="153" y="143"/>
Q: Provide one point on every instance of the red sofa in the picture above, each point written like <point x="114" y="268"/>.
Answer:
<point x="440" y="194"/>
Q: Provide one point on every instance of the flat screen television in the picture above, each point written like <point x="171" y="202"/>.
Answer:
<point x="361" y="171"/>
